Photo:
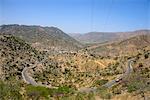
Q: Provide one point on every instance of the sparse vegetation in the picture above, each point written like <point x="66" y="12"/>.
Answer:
<point x="100" y="82"/>
<point x="71" y="70"/>
<point x="10" y="90"/>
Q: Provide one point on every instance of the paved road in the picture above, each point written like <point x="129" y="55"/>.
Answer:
<point x="117" y="80"/>
<point x="27" y="78"/>
<point x="113" y="82"/>
<point x="30" y="80"/>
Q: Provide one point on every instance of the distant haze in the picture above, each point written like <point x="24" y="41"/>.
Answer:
<point x="100" y="37"/>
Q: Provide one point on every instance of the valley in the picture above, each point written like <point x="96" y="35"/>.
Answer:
<point x="40" y="63"/>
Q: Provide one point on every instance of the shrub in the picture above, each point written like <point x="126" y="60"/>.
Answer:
<point x="100" y="82"/>
<point x="38" y="92"/>
<point x="65" y="89"/>
<point x="146" y="56"/>
<point x="9" y="91"/>
<point x="140" y="65"/>
<point x="131" y="88"/>
<point x="104" y="93"/>
<point x="43" y="92"/>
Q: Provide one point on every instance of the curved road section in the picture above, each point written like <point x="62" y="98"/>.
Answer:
<point x="27" y="78"/>
<point x="30" y="80"/>
<point x="117" y="80"/>
<point x="113" y="82"/>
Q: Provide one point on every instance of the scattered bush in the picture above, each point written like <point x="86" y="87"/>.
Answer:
<point x="146" y="56"/>
<point x="132" y="87"/>
<point x="9" y="91"/>
<point x="43" y="92"/>
<point x="104" y="93"/>
<point x="37" y="92"/>
<point x="100" y="82"/>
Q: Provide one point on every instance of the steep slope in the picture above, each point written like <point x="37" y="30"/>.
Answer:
<point x="99" y="37"/>
<point x="16" y="54"/>
<point x="42" y="37"/>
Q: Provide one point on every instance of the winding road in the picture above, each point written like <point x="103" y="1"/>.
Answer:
<point x="28" y="79"/>
<point x="112" y="82"/>
<point x="117" y="80"/>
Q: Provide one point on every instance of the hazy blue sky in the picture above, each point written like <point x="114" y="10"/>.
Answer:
<point x="78" y="15"/>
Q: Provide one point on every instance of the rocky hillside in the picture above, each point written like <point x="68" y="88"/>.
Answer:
<point x="15" y="55"/>
<point x="42" y="37"/>
<point x="72" y="71"/>
<point x="100" y="37"/>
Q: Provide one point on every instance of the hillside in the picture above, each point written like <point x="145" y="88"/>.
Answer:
<point x="72" y="72"/>
<point x="128" y="46"/>
<point x="42" y="37"/>
<point x="15" y="55"/>
<point x="100" y="37"/>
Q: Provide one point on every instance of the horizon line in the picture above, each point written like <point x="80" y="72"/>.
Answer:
<point x="140" y="29"/>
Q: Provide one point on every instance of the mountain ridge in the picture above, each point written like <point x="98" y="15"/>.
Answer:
<point x="100" y="37"/>
<point x="47" y="37"/>
<point x="130" y="46"/>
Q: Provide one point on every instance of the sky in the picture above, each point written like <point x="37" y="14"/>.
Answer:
<point x="78" y="16"/>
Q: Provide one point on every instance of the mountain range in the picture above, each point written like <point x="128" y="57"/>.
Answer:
<point x="93" y="65"/>
<point x="100" y="37"/>
<point x="42" y="37"/>
<point x="129" y="46"/>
